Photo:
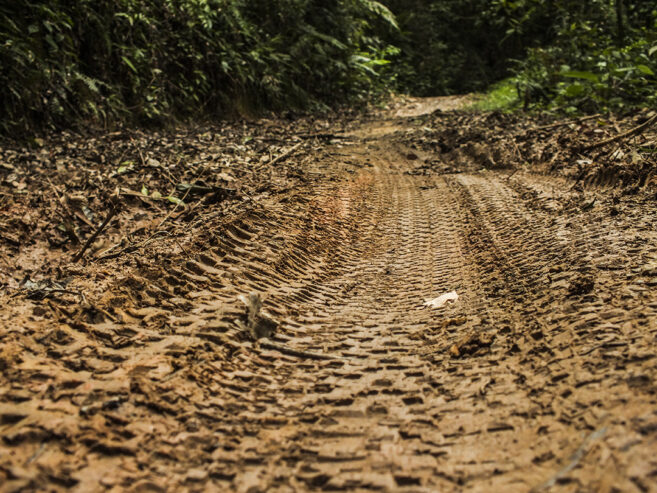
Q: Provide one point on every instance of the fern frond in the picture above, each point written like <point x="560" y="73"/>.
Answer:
<point x="379" y="10"/>
<point x="324" y="37"/>
<point x="91" y="83"/>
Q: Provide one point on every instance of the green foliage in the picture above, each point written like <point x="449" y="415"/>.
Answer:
<point x="501" y="96"/>
<point x="64" y="62"/>
<point x="458" y="46"/>
<point x="564" y="54"/>
<point x="593" y="64"/>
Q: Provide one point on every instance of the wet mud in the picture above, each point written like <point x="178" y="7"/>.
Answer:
<point x="278" y="336"/>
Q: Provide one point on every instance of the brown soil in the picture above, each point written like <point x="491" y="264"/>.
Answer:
<point x="149" y="364"/>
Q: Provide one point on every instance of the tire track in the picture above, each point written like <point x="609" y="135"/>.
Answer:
<point x="551" y="341"/>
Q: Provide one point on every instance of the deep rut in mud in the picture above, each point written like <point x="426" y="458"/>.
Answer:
<point x="539" y="377"/>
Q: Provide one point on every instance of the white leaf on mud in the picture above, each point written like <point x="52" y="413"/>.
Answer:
<point x="442" y="300"/>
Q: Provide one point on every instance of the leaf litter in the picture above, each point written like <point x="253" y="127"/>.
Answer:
<point x="122" y="363"/>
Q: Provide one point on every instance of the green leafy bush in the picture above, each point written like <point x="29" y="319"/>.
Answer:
<point x="144" y="61"/>
<point x="564" y="54"/>
<point x="593" y="64"/>
<point x="64" y="62"/>
<point x="459" y="46"/>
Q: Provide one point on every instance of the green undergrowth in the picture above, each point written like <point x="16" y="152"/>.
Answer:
<point x="501" y="96"/>
<point x="602" y="58"/>
<point x="100" y="63"/>
<point x="65" y="63"/>
<point x="561" y="56"/>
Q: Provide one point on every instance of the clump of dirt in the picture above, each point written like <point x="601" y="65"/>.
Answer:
<point x="240" y="308"/>
<point x="108" y="243"/>
<point x="57" y="194"/>
<point x="472" y="344"/>
<point x="592" y="150"/>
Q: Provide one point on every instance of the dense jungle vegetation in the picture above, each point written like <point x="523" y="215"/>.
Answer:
<point x="151" y="61"/>
<point x="566" y="54"/>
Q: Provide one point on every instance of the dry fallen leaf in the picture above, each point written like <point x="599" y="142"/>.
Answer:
<point x="439" y="302"/>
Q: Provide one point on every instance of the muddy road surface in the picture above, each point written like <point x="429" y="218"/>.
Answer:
<point x="365" y="312"/>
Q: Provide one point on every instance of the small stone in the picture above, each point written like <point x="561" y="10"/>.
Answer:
<point x="196" y="475"/>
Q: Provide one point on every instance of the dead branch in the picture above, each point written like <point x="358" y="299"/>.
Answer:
<point x="569" y="122"/>
<point x="575" y="459"/>
<point x="158" y="231"/>
<point x="285" y="155"/>
<point x="93" y="237"/>
<point x="281" y="348"/>
<point x="635" y="131"/>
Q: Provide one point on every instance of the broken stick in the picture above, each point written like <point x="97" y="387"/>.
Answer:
<point x="569" y="122"/>
<point x="93" y="237"/>
<point x="635" y="131"/>
<point x="281" y="348"/>
<point x="285" y="154"/>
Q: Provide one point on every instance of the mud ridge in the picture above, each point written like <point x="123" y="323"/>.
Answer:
<point x="540" y="375"/>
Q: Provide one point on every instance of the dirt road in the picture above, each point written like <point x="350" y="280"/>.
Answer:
<point x="539" y="377"/>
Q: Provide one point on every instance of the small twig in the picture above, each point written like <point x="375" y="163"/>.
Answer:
<point x="514" y="172"/>
<point x="107" y="314"/>
<point x="172" y="181"/>
<point x="182" y="201"/>
<point x="574" y="460"/>
<point x="635" y="131"/>
<point x="54" y="188"/>
<point x="326" y="136"/>
<point x="588" y="206"/>
<point x="569" y="122"/>
<point x="515" y="145"/>
<point x="158" y="231"/>
<point x="182" y="248"/>
<point x="141" y="157"/>
<point x="93" y="237"/>
<point x="281" y="348"/>
<point x="130" y="248"/>
<point x="285" y="155"/>
<point x="4" y="259"/>
<point x="46" y="291"/>
<point x="36" y="454"/>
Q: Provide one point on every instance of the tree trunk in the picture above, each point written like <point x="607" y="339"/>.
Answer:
<point x="620" y="23"/>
